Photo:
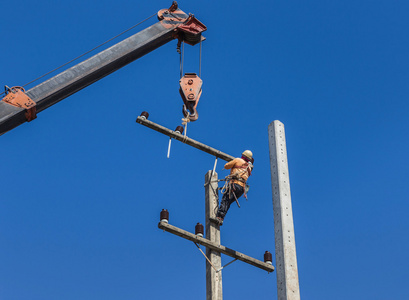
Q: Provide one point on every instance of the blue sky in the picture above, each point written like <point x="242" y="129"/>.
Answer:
<point x="83" y="184"/>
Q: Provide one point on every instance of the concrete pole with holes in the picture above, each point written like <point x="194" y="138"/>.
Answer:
<point x="286" y="259"/>
<point x="214" y="289"/>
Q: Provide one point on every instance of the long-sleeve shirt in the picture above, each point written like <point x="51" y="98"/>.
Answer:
<point x="239" y="167"/>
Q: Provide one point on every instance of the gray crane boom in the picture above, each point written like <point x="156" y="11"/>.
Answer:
<point x="173" y="24"/>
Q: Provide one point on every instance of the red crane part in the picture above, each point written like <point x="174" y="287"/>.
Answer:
<point x="16" y="96"/>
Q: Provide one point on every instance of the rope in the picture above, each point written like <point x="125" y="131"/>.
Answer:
<point x="88" y="51"/>
<point x="184" y="123"/>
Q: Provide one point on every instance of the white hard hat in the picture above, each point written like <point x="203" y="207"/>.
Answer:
<point x="248" y="154"/>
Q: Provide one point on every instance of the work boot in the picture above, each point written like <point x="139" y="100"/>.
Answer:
<point x="220" y="220"/>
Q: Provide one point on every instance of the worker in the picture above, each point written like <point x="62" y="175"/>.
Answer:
<point x="235" y="185"/>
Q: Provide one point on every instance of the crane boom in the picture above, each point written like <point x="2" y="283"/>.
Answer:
<point x="173" y="24"/>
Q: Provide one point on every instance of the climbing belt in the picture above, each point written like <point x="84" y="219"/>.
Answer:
<point x="228" y="185"/>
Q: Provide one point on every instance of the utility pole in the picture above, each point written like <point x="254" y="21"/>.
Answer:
<point x="213" y="277"/>
<point x="212" y="241"/>
<point x="286" y="258"/>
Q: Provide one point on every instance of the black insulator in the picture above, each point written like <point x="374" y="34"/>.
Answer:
<point x="145" y="115"/>
<point x="268" y="258"/>
<point x="164" y="216"/>
<point x="179" y="129"/>
<point x="199" y="230"/>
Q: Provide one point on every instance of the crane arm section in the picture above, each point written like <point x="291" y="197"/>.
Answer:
<point x="173" y="24"/>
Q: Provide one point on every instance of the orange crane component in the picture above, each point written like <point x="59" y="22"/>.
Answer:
<point x="17" y="97"/>
<point x="190" y="90"/>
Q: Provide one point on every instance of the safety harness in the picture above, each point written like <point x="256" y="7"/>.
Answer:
<point x="228" y="185"/>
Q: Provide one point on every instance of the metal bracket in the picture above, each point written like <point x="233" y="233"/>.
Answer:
<point x="228" y="264"/>
<point x="172" y="15"/>
<point x="219" y="269"/>
<point x="191" y="30"/>
<point x="17" y="97"/>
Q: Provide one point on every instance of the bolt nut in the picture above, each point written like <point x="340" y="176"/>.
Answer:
<point x="190" y="82"/>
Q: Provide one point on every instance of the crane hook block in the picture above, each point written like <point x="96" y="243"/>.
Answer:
<point x="190" y="90"/>
<point x="17" y="97"/>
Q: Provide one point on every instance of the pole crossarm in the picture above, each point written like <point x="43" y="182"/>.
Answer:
<point x="219" y="248"/>
<point x="184" y="139"/>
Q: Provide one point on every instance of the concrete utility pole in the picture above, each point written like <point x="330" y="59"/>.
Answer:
<point x="286" y="259"/>
<point x="214" y="289"/>
<point x="212" y="241"/>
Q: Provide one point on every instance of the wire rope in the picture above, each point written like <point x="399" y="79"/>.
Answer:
<point x="182" y="57"/>
<point x="89" y="51"/>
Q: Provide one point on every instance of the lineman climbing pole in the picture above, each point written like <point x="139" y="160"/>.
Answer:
<point x="214" y="249"/>
<point x="286" y="258"/>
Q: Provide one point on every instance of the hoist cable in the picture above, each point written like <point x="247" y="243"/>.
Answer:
<point x="180" y="63"/>
<point x="182" y="53"/>
<point x="200" y="59"/>
<point x="89" y="51"/>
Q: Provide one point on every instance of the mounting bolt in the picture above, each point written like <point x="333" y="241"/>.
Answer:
<point x="145" y="115"/>
<point x="164" y="216"/>
<point x="268" y="258"/>
<point x="190" y="82"/>
<point x="199" y="230"/>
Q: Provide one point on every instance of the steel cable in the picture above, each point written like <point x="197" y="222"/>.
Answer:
<point x="89" y="51"/>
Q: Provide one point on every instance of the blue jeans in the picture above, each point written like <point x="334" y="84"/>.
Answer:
<point x="228" y="198"/>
